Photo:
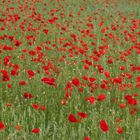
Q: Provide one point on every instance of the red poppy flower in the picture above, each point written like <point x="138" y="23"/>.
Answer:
<point x="18" y="127"/>
<point x="76" y="82"/>
<point x="68" y="86"/>
<point x="101" y="97"/>
<point x="35" y="106"/>
<point x="133" y="111"/>
<point x="90" y="99"/>
<point x="122" y="67"/>
<point x="88" y="62"/>
<point x="21" y="83"/>
<point x="46" y="31"/>
<point x="103" y="86"/>
<point x="14" y="72"/>
<point x="107" y="74"/>
<point x="92" y="79"/>
<point x="51" y="21"/>
<point x="82" y="115"/>
<point x="110" y="61"/>
<point x="138" y="79"/>
<point x="85" y="77"/>
<point x="27" y="95"/>
<point x="72" y="118"/>
<point x="32" y="52"/>
<point x="104" y="126"/>
<point x="35" y="130"/>
<point x="49" y="81"/>
<point x="128" y="97"/>
<point x="8" y="105"/>
<point x="8" y="48"/>
<point x="86" y="67"/>
<point x="67" y="95"/>
<point x="120" y="130"/>
<point x="42" y="107"/>
<point x="100" y="69"/>
<point x="17" y="43"/>
<point x="9" y="85"/>
<point x="5" y="76"/>
<point x="101" y="23"/>
<point x="87" y="138"/>
<point x="30" y="73"/>
<point x="7" y="60"/>
<point x="2" y="126"/>
<point x="117" y="80"/>
<point x="74" y="36"/>
<point x="117" y="120"/>
<point x="80" y="89"/>
<point x="122" y="105"/>
<point x="131" y="100"/>
<point x="137" y="84"/>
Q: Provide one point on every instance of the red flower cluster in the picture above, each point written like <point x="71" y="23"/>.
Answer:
<point x="72" y="117"/>
<point x="49" y="81"/>
<point x="38" y="107"/>
<point x="5" y="75"/>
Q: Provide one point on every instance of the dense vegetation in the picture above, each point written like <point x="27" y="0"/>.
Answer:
<point x="69" y="70"/>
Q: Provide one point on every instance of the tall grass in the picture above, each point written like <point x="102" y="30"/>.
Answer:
<point x="88" y="39"/>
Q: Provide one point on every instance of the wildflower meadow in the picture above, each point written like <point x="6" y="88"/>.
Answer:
<point x="69" y="70"/>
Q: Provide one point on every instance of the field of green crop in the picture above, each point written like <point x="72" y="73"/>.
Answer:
<point x="69" y="70"/>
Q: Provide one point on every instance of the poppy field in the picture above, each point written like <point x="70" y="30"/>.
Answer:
<point x="69" y="70"/>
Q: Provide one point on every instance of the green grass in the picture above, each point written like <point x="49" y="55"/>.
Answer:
<point x="53" y="122"/>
